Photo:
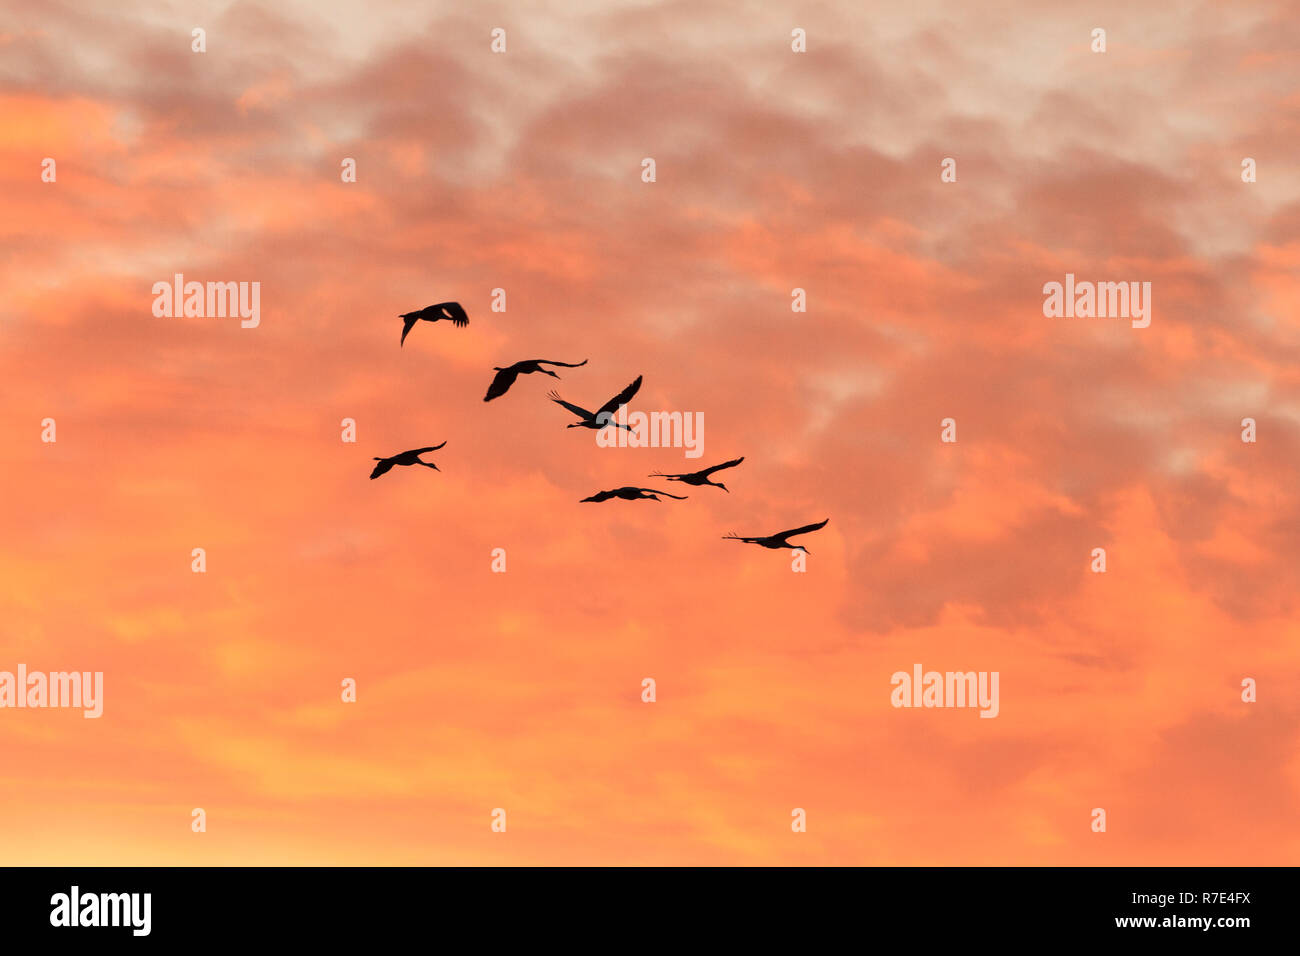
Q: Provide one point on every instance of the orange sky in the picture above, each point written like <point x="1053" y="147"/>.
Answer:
<point x="521" y="690"/>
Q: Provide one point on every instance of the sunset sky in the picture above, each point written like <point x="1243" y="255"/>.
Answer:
<point x="775" y="170"/>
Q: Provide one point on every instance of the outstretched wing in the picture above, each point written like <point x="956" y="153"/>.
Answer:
<point x="453" y="311"/>
<point x="621" y="398"/>
<point x="553" y="362"/>
<point x="726" y="464"/>
<point x="408" y="322"/>
<point x="804" y="530"/>
<point x="384" y="467"/>
<point x="501" y="384"/>
<point x="421" y="451"/>
<point x="576" y="409"/>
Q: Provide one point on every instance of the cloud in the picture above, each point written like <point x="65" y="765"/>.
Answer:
<point x="775" y="171"/>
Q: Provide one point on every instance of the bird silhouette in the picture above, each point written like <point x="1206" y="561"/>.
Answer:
<point x="505" y="377"/>
<point x="591" y="419"/>
<point x="411" y="457"/>
<point x="452" y="312"/>
<point x="632" y="494"/>
<point x="702" y="477"/>
<point x="778" y="541"/>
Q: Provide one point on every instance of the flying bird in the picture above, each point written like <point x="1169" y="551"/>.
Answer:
<point x="590" y="419"/>
<point x="505" y="377"/>
<point x="452" y="312"/>
<point x="411" y="457"/>
<point x="632" y="494"/>
<point x="702" y="477"/>
<point x="778" y="541"/>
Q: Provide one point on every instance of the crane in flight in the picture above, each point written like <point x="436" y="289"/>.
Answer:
<point x="632" y="494"/>
<point x="606" y="411"/>
<point x="702" y="477"/>
<point x="505" y="377"/>
<point x="411" y="457"/>
<point x="452" y="312"/>
<point x="778" y="541"/>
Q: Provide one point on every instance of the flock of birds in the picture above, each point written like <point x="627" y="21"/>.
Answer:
<point x="602" y="417"/>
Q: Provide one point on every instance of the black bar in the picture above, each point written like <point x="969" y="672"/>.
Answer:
<point x="326" y="905"/>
